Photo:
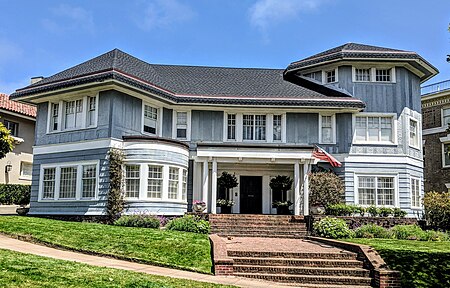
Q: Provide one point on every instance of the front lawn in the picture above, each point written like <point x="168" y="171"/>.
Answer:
<point x="25" y="270"/>
<point x="181" y="250"/>
<point x="421" y="263"/>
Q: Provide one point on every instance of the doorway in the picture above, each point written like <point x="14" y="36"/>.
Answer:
<point x="250" y="194"/>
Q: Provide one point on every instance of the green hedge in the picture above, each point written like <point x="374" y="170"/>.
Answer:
<point x="419" y="269"/>
<point x="15" y="194"/>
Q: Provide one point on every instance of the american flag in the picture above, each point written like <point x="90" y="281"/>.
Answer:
<point x="321" y="154"/>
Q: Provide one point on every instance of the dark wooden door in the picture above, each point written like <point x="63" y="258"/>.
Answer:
<point x="251" y="194"/>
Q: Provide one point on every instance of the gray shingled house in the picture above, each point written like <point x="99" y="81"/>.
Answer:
<point x="180" y="127"/>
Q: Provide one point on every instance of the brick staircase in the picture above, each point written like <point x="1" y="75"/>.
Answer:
<point x="309" y="269"/>
<point x="273" y="226"/>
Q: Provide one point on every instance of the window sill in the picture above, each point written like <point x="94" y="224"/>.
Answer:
<point x="376" y="143"/>
<point x="67" y="200"/>
<point x="17" y="140"/>
<point x="25" y="178"/>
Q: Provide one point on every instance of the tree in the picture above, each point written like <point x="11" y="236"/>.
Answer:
<point x="6" y="141"/>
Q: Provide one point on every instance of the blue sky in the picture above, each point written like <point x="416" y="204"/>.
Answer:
<point x="41" y="38"/>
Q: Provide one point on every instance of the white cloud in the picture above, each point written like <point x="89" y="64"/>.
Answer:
<point x="66" y="17"/>
<point x="268" y="12"/>
<point x="163" y="13"/>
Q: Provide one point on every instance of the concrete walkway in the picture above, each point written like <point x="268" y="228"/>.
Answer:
<point x="25" y="247"/>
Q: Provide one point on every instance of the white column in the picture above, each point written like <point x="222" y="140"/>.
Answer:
<point x="205" y="182"/>
<point x="214" y="187"/>
<point x="296" y="188"/>
<point x="305" y="189"/>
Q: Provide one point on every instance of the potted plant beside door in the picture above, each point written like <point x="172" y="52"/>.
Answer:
<point x="280" y="185"/>
<point x="226" y="181"/>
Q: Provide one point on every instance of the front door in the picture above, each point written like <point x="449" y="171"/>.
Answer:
<point x="251" y="194"/>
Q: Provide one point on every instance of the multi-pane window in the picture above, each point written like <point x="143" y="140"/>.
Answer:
<point x="313" y="75"/>
<point x="73" y="114"/>
<point x="173" y="183"/>
<point x="154" y="181"/>
<point x="150" y="119"/>
<point x="445" y="117"/>
<point x="88" y="181"/>
<point x="327" y="129"/>
<point x="413" y="133"/>
<point x="92" y="103"/>
<point x="132" y="181"/>
<point x="68" y="183"/>
<point x="48" y="183"/>
<point x="182" y="125"/>
<point x="373" y="128"/>
<point x="383" y="75"/>
<point x="374" y="190"/>
<point x="231" y="126"/>
<point x="330" y="76"/>
<point x="13" y="127"/>
<point x="54" y="116"/>
<point x="184" y="185"/>
<point x="362" y="75"/>
<point x="446" y="158"/>
<point x="254" y="127"/>
<point x="415" y="192"/>
<point x="276" y="127"/>
<point x="26" y="169"/>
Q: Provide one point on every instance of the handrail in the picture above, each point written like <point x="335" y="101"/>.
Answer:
<point x="435" y="87"/>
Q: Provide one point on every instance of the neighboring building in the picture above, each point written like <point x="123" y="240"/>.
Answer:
<point x="436" y="119"/>
<point x="20" y="119"/>
<point x="180" y="127"/>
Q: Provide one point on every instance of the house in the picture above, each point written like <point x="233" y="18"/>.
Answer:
<point x="20" y="119"/>
<point x="180" y="127"/>
<point x="436" y="137"/>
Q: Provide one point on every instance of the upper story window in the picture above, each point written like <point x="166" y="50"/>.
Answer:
<point x="231" y="126"/>
<point x="362" y="75"/>
<point x="13" y="127"/>
<point x="373" y="74"/>
<point x="413" y="133"/>
<point x="383" y="75"/>
<point x="254" y="127"/>
<point x="74" y="114"/>
<point x="313" y="75"/>
<point x="182" y="125"/>
<point x="446" y="155"/>
<point x="277" y="119"/>
<point x="376" y="190"/>
<point x="327" y="129"/>
<point x="330" y="76"/>
<point x="445" y="117"/>
<point x="150" y="119"/>
<point x="374" y="129"/>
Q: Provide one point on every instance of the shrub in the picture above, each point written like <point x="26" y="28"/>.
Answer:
<point x="372" y="231"/>
<point x="189" y="223"/>
<point x="432" y="235"/>
<point x="341" y="209"/>
<point x="373" y="211"/>
<point x="361" y="210"/>
<point x="143" y="221"/>
<point x="407" y="232"/>
<point x="386" y="212"/>
<point x="332" y="228"/>
<point x="326" y="188"/>
<point x="399" y="213"/>
<point x="437" y="209"/>
<point x="15" y="194"/>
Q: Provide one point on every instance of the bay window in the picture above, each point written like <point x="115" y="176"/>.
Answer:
<point x="184" y="185"/>
<point x="155" y="180"/>
<point x="376" y="190"/>
<point x="173" y="183"/>
<point x="132" y="181"/>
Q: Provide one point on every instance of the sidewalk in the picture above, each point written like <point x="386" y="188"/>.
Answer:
<point x="25" y="247"/>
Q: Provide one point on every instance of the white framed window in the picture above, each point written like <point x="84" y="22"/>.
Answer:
<point x="362" y="74"/>
<point x="277" y="120"/>
<point x="313" y="75"/>
<point x="373" y="74"/>
<point x="413" y="133"/>
<point x="182" y="125"/>
<point x="376" y="190"/>
<point x="150" y="119"/>
<point x="374" y="129"/>
<point x="73" y="114"/>
<point x="415" y="192"/>
<point x="68" y="182"/>
<point x="327" y="133"/>
<point x="254" y="127"/>
<point x="132" y="181"/>
<point x="383" y="75"/>
<point x="231" y="126"/>
<point x="48" y="183"/>
<point x="173" y="183"/>
<point x="445" y="117"/>
<point x="184" y="185"/>
<point x="89" y="181"/>
<point x="155" y="182"/>
<point x="446" y="155"/>
<point x="13" y="127"/>
<point x="330" y="76"/>
<point x="73" y="181"/>
<point x="26" y="170"/>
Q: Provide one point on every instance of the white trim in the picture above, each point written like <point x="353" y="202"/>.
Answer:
<point x="411" y="178"/>
<point x="188" y="124"/>
<point x="333" y="128"/>
<point x="159" y="115"/>
<point x="375" y="114"/>
<point x="259" y="153"/>
<point x="443" y="126"/>
<point x="324" y="75"/>
<point x="376" y="175"/>
<point x="417" y="146"/>
<point x="443" y="154"/>
<point x="383" y="159"/>
<point x="77" y="146"/>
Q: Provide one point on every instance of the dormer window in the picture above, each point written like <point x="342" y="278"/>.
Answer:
<point x="373" y="74"/>
<point x="383" y="75"/>
<point x="362" y="75"/>
<point x="330" y="76"/>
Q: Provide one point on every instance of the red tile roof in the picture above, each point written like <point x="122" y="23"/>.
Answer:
<point x="17" y="107"/>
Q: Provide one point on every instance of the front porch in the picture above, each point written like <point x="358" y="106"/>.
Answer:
<point x="253" y="167"/>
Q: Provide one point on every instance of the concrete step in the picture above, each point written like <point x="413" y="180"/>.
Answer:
<point x="309" y="279"/>
<point x="319" y="271"/>
<point x="297" y="262"/>
<point x="293" y="255"/>
<point x="290" y="236"/>
<point x="256" y="224"/>
<point x="257" y="230"/>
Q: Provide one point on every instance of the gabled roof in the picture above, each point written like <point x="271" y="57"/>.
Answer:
<point x="354" y="51"/>
<point x="191" y="84"/>
<point x="13" y="106"/>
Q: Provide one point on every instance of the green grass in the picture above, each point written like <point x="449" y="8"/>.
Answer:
<point x="409" y="245"/>
<point x="181" y="250"/>
<point x="25" y="270"/>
